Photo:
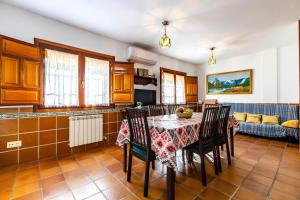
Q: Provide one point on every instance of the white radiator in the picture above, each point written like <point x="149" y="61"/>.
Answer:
<point x="85" y="129"/>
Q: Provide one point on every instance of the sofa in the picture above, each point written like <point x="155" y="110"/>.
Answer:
<point x="285" y="111"/>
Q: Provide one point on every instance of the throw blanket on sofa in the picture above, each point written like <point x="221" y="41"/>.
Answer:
<point x="285" y="111"/>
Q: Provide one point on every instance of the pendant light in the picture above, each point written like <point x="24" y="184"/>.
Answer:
<point x="212" y="60"/>
<point x="165" y="41"/>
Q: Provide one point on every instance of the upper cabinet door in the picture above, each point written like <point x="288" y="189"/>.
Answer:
<point x="10" y="71"/>
<point x="31" y="70"/>
<point x="127" y="82"/>
<point x="117" y="82"/>
<point x="19" y="49"/>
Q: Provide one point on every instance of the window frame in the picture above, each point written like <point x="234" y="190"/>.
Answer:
<point x="174" y="72"/>
<point x="82" y="53"/>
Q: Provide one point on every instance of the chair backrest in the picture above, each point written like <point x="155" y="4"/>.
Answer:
<point x="208" y="125"/>
<point x="138" y="128"/>
<point x="206" y="102"/>
<point x="156" y="110"/>
<point x="222" y="120"/>
<point x="172" y="108"/>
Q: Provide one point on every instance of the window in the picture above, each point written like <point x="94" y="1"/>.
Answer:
<point x="96" y="81"/>
<point x="172" y="86"/>
<point x="167" y="88"/>
<point x="180" y="89"/>
<point x="61" y="72"/>
<point x="74" y="77"/>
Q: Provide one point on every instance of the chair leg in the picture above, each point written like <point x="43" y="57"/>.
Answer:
<point x="219" y="159"/>
<point x="228" y="153"/>
<point x="216" y="161"/>
<point x="183" y="157"/>
<point x="153" y="164"/>
<point x="203" y="173"/>
<point x="146" y="182"/>
<point x="129" y="166"/>
<point x="222" y="148"/>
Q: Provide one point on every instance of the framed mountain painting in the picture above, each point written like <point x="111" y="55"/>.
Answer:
<point x="235" y="82"/>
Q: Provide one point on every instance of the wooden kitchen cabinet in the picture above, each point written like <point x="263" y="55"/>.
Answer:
<point x="31" y="72"/>
<point x="122" y="82"/>
<point x="20" y="73"/>
<point x="10" y="71"/>
<point x="191" y="88"/>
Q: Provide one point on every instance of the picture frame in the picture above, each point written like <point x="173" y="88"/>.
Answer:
<point x="233" y="82"/>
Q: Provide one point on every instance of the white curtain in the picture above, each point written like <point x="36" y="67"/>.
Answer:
<point x="96" y="82"/>
<point x="61" y="79"/>
<point x="168" y="88"/>
<point x="180" y="89"/>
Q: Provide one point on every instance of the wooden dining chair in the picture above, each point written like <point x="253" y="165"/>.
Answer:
<point x="221" y="136"/>
<point x="206" y="141"/>
<point x="156" y="110"/>
<point x="140" y="142"/>
<point x="172" y="108"/>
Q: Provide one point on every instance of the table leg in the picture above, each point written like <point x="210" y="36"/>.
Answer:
<point x="125" y="157"/>
<point x="231" y="141"/>
<point x="170" y="183"/>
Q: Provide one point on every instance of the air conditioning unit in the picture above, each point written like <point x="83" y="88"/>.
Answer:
<point x="138" y="55"/>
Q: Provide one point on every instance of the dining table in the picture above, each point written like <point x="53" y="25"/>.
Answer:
<point x="169" y="134"/>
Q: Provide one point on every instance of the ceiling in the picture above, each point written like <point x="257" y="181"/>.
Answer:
<point x="235" y="27"/>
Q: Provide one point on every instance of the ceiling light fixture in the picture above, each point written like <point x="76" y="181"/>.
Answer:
<point x="212" y="60"/>
<point x="165" y="41"/>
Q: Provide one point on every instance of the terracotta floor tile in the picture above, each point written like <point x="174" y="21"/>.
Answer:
<point x="5" y="194"/>
<point x="288" y="180"/>
<point x="182" y="194"/>
<point x="85" y="191"/>
<point x="212" y="194"/>
<point x="78" y="181"/>
<point x="278" y="195"/>
<point x="223" y="186"/>
<point x="98" y="196"/>
<point x="51" y="171"/>
<point x="115" y="167"/>
<point x="54" y="190"/>
<point x="97" y="174"/>
<point x="234" y="179"/>
<point x="25" y="189"/>
<point x="260" y="179"/>
<point x="32" y="196"/>
<point x="74" y="173"/>
<point x="26" y="179"/>
<point x="256" y="187"/>
<point x="52" y="180"/>
<point x="193" y="184"/>
<point x="288" y="189"/>
<point x="116" y="193"/>
<point x="64" y="196"/>
<point x="107" y="182"/>
<point x="245" y="194"/>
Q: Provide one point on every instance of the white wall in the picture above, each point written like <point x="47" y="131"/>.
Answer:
<point x="275" y="76"/>
<point x="24" y="25"/>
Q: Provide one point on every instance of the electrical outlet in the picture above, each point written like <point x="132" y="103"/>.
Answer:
<point x="14" y="144"/>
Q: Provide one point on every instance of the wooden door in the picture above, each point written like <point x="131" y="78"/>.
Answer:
<point x="10" y="71"/>
<point x="31" y="70"/>
<point x="127" y="82"/>
<point x="117" y="82"/>
<point x="191" y="85"/>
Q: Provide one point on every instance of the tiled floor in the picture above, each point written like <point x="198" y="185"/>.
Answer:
<point x="262" y="169"/>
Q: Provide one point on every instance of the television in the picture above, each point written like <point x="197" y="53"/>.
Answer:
<point x="147" y="97"/>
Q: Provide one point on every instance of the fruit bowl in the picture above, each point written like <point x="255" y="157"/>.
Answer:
<point x="182" y="112"/>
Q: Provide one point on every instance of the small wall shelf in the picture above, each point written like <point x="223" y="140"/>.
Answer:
<point x="141" y="80"/>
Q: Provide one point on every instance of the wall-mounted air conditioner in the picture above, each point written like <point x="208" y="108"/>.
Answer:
<point x="138" y="55"/>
